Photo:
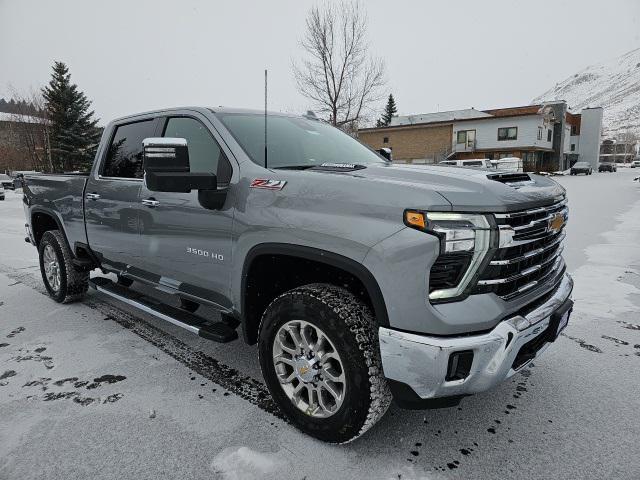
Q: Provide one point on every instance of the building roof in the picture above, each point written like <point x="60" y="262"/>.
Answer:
<point x="451" y="116"/>
<point x="17" y="118"/>
<point x="438" y="117"/>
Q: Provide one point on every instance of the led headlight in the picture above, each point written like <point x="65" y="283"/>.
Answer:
<point x="464" y="243"/>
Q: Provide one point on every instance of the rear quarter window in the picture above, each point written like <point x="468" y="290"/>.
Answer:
<point x="124" y="157"/>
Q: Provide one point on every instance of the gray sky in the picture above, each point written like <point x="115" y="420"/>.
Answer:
<point x="130" y="56"/>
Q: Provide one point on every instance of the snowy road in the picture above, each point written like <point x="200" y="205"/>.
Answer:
<point x="98" y="390"/>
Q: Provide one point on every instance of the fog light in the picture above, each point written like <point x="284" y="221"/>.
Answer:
<point x="459" y="365"/>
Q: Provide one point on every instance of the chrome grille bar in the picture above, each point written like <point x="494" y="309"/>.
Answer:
<point x="523" y="273"/>
<point x="532" y="253"/>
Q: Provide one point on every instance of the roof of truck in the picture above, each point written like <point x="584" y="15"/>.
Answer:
<point x="214" y="110"/>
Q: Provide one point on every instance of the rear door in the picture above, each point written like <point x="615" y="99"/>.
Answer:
<point x="112" y="196"/>
<point x="184" y="244"/>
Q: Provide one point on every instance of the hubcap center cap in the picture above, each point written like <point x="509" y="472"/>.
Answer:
<point x="304" y="369"/>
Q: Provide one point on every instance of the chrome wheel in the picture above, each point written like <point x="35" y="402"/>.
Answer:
<point x="51" y="267"/>
<point x="309" y="368"/>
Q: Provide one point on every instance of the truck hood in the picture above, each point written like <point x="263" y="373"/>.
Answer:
<point x="469" y="189"/>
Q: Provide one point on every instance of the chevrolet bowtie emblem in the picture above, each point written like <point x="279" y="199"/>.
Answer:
<point x="303" y="370"/>
<point x="555" y="223"/>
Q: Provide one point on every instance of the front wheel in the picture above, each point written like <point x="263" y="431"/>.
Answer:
<point x="62" y="280"/>
<point x="320" y="357"/>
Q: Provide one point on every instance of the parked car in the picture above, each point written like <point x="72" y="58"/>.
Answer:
<point x="469" y="162"/>
<point x="1" y="192"/>
<point x="581" y="167"/>
<point x="607" y="167"/>
<point x="361" y="282"/>
<point x="6" y="181"/>
<point x="635" y="163"/>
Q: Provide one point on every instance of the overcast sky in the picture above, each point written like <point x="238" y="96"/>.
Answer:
<point x="130" y="56"/>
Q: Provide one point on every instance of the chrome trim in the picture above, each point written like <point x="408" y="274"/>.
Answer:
<point x="532" y="211"/>
<point x="525" y="272"/>
<point x="421" y="361"/>
<point x="532" y="253"/>
<point x="145" y="309"/>
<point x="102" y="177"/>
<point x="551" y="285"/>
<point x="542" y="220"/>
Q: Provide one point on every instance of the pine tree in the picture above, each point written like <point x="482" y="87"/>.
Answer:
<point x="74" y="135"/>
<point x="389" y="112"/>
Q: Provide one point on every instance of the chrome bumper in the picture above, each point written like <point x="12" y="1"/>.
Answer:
<point x="421" y="361"/>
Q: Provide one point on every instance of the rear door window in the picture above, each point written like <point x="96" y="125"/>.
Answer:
<point x="124" y="157"/>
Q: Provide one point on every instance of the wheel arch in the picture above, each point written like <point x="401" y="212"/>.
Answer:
<point x="42" y="220"/>
<point x="338" y="263"/>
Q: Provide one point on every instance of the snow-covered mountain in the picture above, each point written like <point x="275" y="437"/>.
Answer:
<point x="613" y="85"/>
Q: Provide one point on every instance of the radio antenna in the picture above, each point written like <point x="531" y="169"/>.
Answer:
<point x="265" y="118"/>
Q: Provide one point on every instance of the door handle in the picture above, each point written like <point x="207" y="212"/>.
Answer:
<point x="150" y="202"/>
<point x="93" y="196"/>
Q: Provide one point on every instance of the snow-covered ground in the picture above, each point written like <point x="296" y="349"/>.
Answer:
<point x="99" y="390"/>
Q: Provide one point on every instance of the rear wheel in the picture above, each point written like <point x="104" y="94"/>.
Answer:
<point x="320" y="358"/>
<point x="64" y="282"/>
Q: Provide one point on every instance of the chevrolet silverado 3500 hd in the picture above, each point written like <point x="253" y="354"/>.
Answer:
<point x="361" y="281"/>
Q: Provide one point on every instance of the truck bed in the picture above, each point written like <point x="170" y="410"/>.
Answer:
<point x="62" y="196"/>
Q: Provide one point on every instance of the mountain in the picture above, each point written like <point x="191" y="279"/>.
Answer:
<point x="613" y="85"/>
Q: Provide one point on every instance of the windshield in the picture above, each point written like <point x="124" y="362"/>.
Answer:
<point x="581" y="164"/>
<point x="295" y="142"/>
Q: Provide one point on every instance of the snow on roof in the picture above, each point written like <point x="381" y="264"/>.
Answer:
<point x="15" y="117"/>
<point x="449" y="116"/>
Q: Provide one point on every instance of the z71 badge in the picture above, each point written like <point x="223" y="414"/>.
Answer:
<point x="268" y="184"/>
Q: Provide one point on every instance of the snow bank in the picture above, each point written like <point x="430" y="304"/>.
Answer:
<point x="242" y="463"/>
<point x="596" y="291"/>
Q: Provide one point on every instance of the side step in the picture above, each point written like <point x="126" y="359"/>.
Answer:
<point x="217" y="331"/>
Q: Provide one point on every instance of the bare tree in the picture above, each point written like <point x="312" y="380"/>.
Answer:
<point x="630" y="141"/>
<point x="339" y="76"/>
<point x="31" y="132"/>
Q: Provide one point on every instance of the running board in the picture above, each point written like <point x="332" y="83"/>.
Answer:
<point x="217" y="331"/>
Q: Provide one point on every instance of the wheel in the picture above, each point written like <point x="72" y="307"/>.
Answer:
<point x="320" y="358"/>
<point x="63" y="281"/>
<point x="124" y="281"/>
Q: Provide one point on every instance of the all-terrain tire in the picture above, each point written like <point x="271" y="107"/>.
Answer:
<point x="351" y="327"/>
<point x="73" y="282"/>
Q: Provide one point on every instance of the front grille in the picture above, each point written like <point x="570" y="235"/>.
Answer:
<point x="532" y="258"/>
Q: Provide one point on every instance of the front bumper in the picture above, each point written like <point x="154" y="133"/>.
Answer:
<point x="421" y="362"/>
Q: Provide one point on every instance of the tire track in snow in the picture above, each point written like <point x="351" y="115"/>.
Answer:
<point x="244" y="386"/>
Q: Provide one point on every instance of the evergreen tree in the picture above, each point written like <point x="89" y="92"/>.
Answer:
<point x="389" y="111"/>
<point x="74" y="135"/>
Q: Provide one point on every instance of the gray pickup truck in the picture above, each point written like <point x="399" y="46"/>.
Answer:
<point x="361" y="281"/>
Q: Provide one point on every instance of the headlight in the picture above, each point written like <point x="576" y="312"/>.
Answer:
<point x="465" y="239"/>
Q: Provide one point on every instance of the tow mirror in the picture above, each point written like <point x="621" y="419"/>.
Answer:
<point x="386" y="153"/>
<point x="166" y="167"/>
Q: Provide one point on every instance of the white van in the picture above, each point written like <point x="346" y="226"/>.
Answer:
<point x="469" y="162"/>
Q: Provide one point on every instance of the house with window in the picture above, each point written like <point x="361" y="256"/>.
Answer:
<point x="545" y="136"/>
<point x="623" y="150"/>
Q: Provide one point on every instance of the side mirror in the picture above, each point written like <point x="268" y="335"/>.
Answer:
<point x="166" y="167"/>
<point x="386" y="153"/>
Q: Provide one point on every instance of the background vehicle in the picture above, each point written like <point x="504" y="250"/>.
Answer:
<point x="1" y="192"/>
<point x="581" y="167"/>
<point x="635" y="163"/>
<point x="607" y="167"/>
<point x="360" y="282"/>
<point x="6" y="181"/>
<point x="470" y="162"/>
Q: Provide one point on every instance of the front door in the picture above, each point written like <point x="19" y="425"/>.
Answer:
<point x="186" y="246"/>
<point x="112" y="196"/>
